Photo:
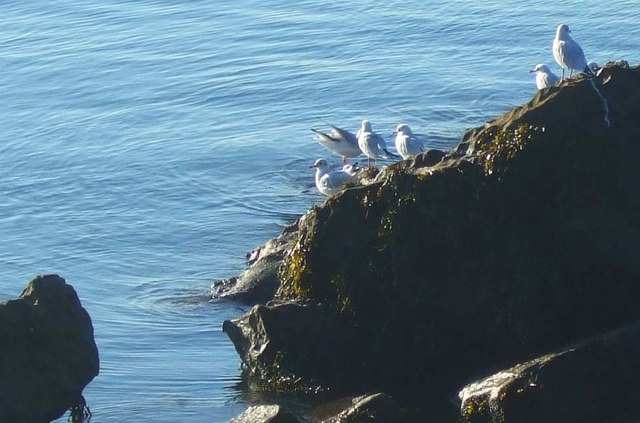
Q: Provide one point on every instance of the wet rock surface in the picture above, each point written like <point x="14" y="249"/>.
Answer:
<point x="266" y="414"/>
<point x="259" y="283"/>
<point x="594" y="381"/>
<point x="522" y="240"/>
<point x="48" y="352"/>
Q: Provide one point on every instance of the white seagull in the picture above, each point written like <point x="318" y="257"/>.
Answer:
<point x="568" y="53"/>
<point x="544" y="77"/>
<point x="372" y="144"/>
<point x="330" y="182"/>
<point x="407" y="144"/>
<point x="339" y="141"/>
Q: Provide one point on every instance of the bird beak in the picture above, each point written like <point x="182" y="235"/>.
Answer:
<point x="312" y="166"/>
<point x="532" y="71"/>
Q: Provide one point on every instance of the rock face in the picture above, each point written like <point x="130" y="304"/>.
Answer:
<point x="48" y="352"/>
<point x="310" y="345"/>
<point x="594" y="381"/>
<point x="523" y="239"/>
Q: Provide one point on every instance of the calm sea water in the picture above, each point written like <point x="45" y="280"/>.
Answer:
<point x="147" y="145"/>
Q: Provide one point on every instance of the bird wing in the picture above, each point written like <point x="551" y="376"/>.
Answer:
<point x="325" y="137"/>
<point x="574" y="56"/>
<point x="558" y="52"/>
<point x="344" y="135"/>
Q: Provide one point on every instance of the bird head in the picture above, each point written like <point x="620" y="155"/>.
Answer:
<point x="563" y="32"/>
<point x="540" y="68"/>
<point x="403" y="129"/>
<point x="320" y="164"/>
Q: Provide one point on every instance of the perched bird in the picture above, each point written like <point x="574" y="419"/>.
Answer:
<point x="330" y="182"/>
<point x="568" y="53"/>
<point x="339" y="141"/>
<point x="407" y="144"/>
<point x="372" y="144"/>
<point x="544" y="77"/>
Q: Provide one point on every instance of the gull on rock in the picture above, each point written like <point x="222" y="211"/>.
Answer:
<point x="372" y="144"/>
<point x="407" y="144"/>
<point x="330" y="182"/>
<point x="544" y="77"/>
<point x="339" y="141"/>
<point x="568" y="53"/>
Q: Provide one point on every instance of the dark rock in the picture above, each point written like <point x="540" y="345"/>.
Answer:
<point x="428" y="158"/>
<point x="595" y="381"/>
<point x="266" y="414"/>
<point x="48" y="352"/>
<point x="372" y="408"/>
<point x="259" y="282"/>
<point x="274" y="344"/>
<point x="522" y="240"/>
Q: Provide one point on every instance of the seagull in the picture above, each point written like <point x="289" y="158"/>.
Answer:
<point x="568" y="53"/>
<point x="544" y="77"/>
<point x="372" y="144"/>
<point x="340" y="141"/>
<point x="330" y="182"/>
<point x="406" y="143"/>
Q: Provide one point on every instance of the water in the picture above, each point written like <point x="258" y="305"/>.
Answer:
<point x="147" y="145"/>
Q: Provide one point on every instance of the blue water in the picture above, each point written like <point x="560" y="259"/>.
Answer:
<point x="147" y="145"/>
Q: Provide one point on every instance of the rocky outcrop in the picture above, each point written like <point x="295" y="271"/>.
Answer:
<point x="522" y="240"/>
<point x="594" y="381"/>
<point x="48" y="352"/>
<point x="258" y="284"/>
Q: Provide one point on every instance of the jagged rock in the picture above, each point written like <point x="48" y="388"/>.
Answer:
<point x="48" y="352"/>
<point x="595" y="381"/>
<point x="275" y="342"/>
<point x="522" y="240"/>
<point x="259" y="282"/>
<point x="266" y="414"/>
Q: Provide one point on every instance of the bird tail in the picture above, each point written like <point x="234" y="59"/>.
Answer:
<point x="390" y="155"/>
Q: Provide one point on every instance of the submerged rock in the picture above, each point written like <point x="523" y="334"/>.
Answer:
<point x="48" y="352"/>
<point x="594" y="381"/>
<point x="523" y="239"/>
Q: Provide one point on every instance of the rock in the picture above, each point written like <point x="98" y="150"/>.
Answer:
<point x="48" y="352"/>
<point x="520" y="241"/>
<point x="266" y="414"/>
<point x="596" y="380"/>
<point x="274" y="344"/>
<point x="371" y="408"/>
<point x="259" y="282"/>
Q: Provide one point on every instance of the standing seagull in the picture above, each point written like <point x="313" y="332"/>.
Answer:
<point x="372" y="144"/>
<point x="330" y="182"/>
<point x="340" y="141"/>
<point x="568" y="53"/>
<point x="406" y="143"/>
<point x="544" y="77"/>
